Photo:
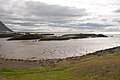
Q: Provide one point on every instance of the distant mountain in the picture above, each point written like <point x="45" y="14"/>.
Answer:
<point x="3" y="28"/>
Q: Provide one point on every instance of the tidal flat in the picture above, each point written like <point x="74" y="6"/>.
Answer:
<point x="35" y="49"/>
<point x="74" y="59"/>
<point x="101" y="65"/>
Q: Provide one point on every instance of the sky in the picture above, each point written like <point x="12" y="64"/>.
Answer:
<point x="61" y="15"/>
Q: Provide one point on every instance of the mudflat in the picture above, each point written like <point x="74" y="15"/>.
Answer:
<point x="5" y="63"/>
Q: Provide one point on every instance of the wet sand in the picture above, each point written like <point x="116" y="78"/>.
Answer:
<point x="4" y="63"/>
<point x="36" y="50"/>
<point x="20" y="63"/>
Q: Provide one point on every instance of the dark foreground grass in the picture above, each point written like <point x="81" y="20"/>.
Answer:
<point x="91" y="67"/>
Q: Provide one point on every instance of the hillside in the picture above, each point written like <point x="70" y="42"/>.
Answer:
<point x="3" y="28"/>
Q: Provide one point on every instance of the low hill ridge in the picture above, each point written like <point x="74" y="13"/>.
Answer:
<point x="3" y="28"/>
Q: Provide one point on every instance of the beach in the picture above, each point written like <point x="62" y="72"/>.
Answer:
<point x="98" y="61"/>
<point x="100" y="65"/>
<point x="37" y="50"/>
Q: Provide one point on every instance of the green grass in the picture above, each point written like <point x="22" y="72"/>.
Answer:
<point x="52" y="38"/>
<point x="5" y="35"/>
<point x="28" y="36"/>
<point x="48" y="37"/>
<point x="90" y="67"/>
<point x="78" y="36"/>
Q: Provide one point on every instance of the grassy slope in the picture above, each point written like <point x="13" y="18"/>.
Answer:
<point x="90" y="67"/>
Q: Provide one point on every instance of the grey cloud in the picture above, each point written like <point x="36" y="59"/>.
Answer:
<point x="38" y="9"/>
<point x="30" y="13"/>
<point x="94" y="25"/>
<point x="117" y="11"/>
<point x="116" y="20"/>
<point x="42" y="9"/>
<point x="24" y="24"/>
<point x="27" y="15"/>
<point x="83" y="25"/>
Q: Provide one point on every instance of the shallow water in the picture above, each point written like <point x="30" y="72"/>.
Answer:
<point x="32" y="49"/>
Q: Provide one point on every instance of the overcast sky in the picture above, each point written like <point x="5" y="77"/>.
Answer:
<point x="61" y="15"/>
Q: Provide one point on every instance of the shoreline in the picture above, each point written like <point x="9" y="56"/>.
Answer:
<point x="20" y="63"/>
